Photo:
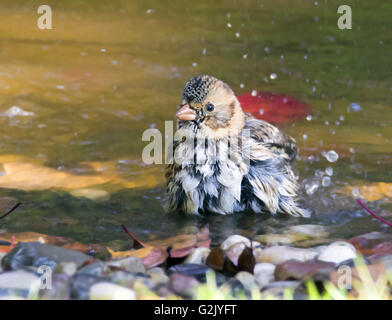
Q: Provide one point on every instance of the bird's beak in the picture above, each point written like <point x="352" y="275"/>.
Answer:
<point x="186" y="113"/>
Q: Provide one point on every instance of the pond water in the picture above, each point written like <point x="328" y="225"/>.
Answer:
<point x="75" y="100"/>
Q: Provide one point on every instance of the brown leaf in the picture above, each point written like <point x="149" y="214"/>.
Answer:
<point x="216" y="259"/>
<point x="246" y="261"/>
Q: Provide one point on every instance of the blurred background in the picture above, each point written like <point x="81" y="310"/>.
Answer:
<point x="75" y="100"/>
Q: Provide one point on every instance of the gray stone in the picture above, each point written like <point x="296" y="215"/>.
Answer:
<point x="37" y="254"/>
<point x="60" y="290"/>
<point x="68" y="268"/>
<point x="130" y="264"/>
<point x="98" y="268"/>
<point x="81" y="284"/>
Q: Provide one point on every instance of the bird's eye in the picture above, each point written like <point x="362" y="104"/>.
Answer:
<point x="210" y="107"/>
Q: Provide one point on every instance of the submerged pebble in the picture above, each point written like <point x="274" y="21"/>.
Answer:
<point x="279" y="254"/>
<point x="338" y="252"/>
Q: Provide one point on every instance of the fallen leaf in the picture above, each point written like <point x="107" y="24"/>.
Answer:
<point x="370" y="192"/>
<point x="246" y="261"/>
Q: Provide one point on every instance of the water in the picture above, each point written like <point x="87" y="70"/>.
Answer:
<point x="86" y="90"/>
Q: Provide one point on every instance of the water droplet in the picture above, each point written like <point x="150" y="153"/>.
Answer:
<point x="329" y="171"/>
<point x="355" y="107"/>
<point x="326" y="181"/>
<point x="273" y="76"/>
<point x="311" y="188"/>
<point x="332" y="156"/>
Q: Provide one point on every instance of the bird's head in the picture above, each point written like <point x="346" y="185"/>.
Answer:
<point x="211" y="107"/>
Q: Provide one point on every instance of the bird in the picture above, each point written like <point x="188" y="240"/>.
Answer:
<point x="223" y="160"/>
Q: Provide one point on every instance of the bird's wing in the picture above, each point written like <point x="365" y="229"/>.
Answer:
<point x="271" y="138"/>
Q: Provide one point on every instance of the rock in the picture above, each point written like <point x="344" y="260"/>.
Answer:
<point x="97" y="268"/>
<point x="158" y="276"/>
<point x="183" y="285"/>
<point x="81" y="284"/>
<point x="196" y="271"/>
<point x="279" y="254"/>
<point x="130" y="264"/>
<point x="312" y="231"/>
<point x="110" y="291"/>
<point x="61" y="288"/>
<point x="379" y="251"/>
<point x="19" y="279"/>
<point x="295" y="270"/>
<point x="276" y="239"/>
<point x="338" y="252"/>
<point x="248" y="280"/>
<point x="264" y="273"/>
<point x="127" y="279"/>
<point x="294" y="234"/>
<point x="369" y="240"/>
<point x="68" y="268"/>
<point x="198" y="256"/>
<point x="36" y="254"/>
<point x="237" y="239"/>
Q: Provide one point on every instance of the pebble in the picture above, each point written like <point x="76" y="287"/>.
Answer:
<point x="234" y="239"/>
<point x="19" y="279"/>
<point x="130" y="264"/>
<point x="158" y="276"/>
<point x="290" y="270"/>
<point x="110" y="291"/>
<point x="35" y="254"/>
<point x="264" y="273"/>
<point x="338" y="252"/>
<point x="81" y="284"/>
<point x="248" y="280"/>
<point x="198" y="255"/>
<point x="279" y="254"/>
<point x="183" y="285"/>
<point x="60" y="288"/>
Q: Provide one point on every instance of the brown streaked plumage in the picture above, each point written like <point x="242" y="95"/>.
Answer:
<point x="226" y="161"/>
